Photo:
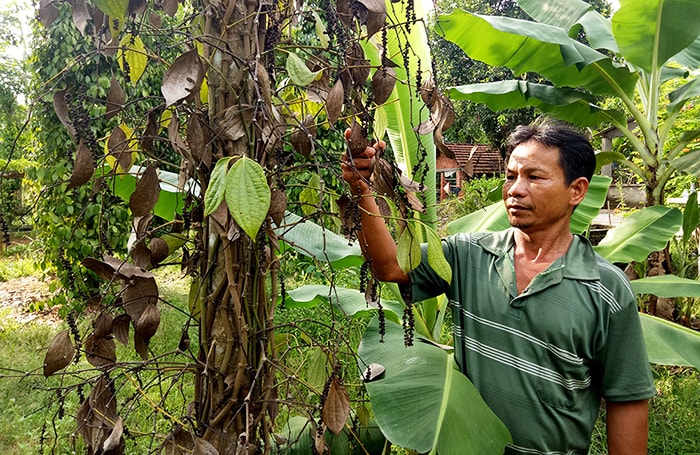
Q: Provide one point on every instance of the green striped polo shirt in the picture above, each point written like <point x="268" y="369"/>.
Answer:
<point x="543" y="359"/>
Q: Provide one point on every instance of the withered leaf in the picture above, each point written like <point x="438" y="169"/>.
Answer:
<point x="119" y="148"/>
<point x="150" y="132"/>
<point x="204" y="447"/>
<point x="138" y="294"/>
<point x="197" y="139"/>
<point x="100" y="352"/>
<point x="183" y="78"/>
<point x="302" y="137"/>
<point x="115" y="98"/>
<point x="124" y="270"/>
<point x="336" y="408"/>
<point x="148" y="323"/>
<point x="141" y="345"/>
<point x="357" y="142"/>
<point x="48" y="12"/>
<point x="357" y="64"/>
<point x="320" y="439"/>
<point x="81" y="15"/>
<point x="102" y="327"/>
<point x="141" y="254"/>
<point x="60" y="353"/>
<point x="376" y="15"/>
<point x="60" y="106"/>
<point x="170" y="7"/>
<point x="155" y="20"/>
<point x="383" y="83"/>
<point x="278" y="205"/>
<point x="159" y="250"/>
<point x="97" y="416"/>
<point x="103" y="270"/>
<point x="334" y="102"/>
<point x="120" y="328"/>
<point x="83" y="167"/>
<point x="145" y="196"/>
<point x="115" y="442"/>
<point x="136" y="7"/>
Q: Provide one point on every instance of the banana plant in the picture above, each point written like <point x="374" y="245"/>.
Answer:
<point x="647" y="46"/>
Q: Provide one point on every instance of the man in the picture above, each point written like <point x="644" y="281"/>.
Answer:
<point x="544" y="327"/>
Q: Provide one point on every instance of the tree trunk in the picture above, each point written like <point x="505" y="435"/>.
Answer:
<point x="236" y="388"/>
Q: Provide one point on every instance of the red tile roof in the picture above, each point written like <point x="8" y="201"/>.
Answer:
<point x="484" y="159"/>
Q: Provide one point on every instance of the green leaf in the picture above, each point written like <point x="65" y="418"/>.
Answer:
<point x="132" y="54"/>
<point x="247" y="195"/>
<point x="667" y="286"/>
<point x="299" y="72"/>
<point x="691" y="217"/>
<point x="591" y="204"/>
<point x="688" y="163"/>
<point x="310" y="239"/>
<point x="349" y="302"/>
<point x="650" y="32"/>
<point x="408" y="251"/>
<point x="563" y="103"/>
<point x="668" y="343"/>
<point x="115" y="9"/>
<point x="436" y="257"/>
<point x="682" y="94"/>
<point x="317" y="369"/>
<point x="526" y="46"/>
<point x="423" y="402"/>
<point x="489" y="219"/>
<point x="641" y="233"/>
<point x="217" y="186"/>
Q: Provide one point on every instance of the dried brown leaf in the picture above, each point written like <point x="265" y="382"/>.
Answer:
<point x="115" y="444"/>
<point x="100" y="352"/>
<point x="302" y="137"/>
<point x="170" y="7"/>
<point x="119" y="148"/>
<point x="60" y="106"/>
<point x="102" y="269"/>
<point x="155" y="20"/>
<point x="336" y="407"/>
<point x="383" y="83"/>
<point x="376" y="15"/>
<point x="115" y="98"/>
<point x="148" y="323"/>
<point x="120" y="328"/>
<point x="204" y="447"/>
<point x="83" y="166"/>
<point x="136" y="7"/>
<point x="81" y="15"/>
<point x="197" y="139"/>
<point x="150" y="132"/>
<point x="141" y="345"/>
<point x="278" y="205"/>
<point x="141" y="254"/>
<point x="357" y="64"/>
<point x="357" y="142"/>
<point x="334" y="102"/>
<point x="145" y="196"/>
<point x="124" y="270"/>
<point x="138" y="294"/>
<point x="159" y="250"/>
<point x="183" y="78"/>
<point x="48" y="12"/>
<point x="59" y="354"/>
<point x="102" y="327"/>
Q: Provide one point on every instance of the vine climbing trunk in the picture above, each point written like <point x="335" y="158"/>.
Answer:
<point x="236" y="387"/>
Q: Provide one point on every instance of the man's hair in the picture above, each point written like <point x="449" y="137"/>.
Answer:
<point x="576" y="154"/>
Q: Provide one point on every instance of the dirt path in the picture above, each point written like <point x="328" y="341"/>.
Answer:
<point x="20" y="296"/>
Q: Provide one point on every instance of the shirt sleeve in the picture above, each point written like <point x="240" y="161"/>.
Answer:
<point x="626" y="373"/>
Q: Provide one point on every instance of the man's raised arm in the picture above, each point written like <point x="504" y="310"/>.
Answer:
<point x="376" y="242"/>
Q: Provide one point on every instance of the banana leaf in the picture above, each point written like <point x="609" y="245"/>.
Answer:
<point x="669" y="343"/>
<point x="667" y="286"/>
<point x="321" y="244"/>
<point x="641" y="233"/>
<point x="422" y="402"/>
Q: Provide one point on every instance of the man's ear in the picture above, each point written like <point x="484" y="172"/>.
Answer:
<point x="578" y="190"/>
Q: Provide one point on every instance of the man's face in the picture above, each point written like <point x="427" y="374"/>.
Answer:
<point x="535" y="192"/>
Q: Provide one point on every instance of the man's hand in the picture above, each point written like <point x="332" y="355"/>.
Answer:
<point x="627" y="427"/>
<point x="358" y="167"/>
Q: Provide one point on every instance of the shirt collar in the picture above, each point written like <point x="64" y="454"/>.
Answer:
<point x="579" y="261"/>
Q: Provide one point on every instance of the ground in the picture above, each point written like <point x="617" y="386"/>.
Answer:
<point x="19" y="298"/>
